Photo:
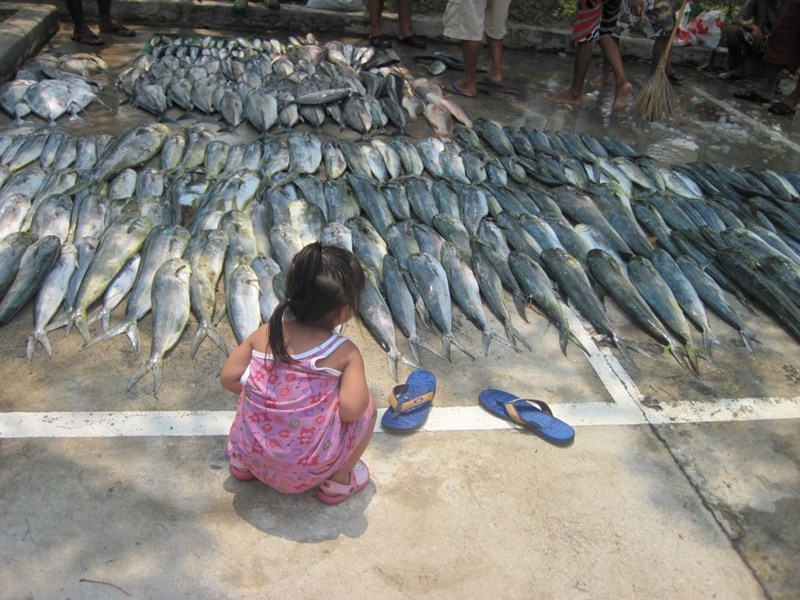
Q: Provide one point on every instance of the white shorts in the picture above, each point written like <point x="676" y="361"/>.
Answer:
<point x="470" y="19"/>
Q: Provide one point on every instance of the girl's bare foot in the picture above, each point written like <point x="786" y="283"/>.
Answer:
<point x="565" y="97"/>
<point x="621" y="97"/>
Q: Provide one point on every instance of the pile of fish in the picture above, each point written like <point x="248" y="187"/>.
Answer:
<point x="472" y="217"/>
<point x="51" y="86"/>
<point x="272" y="85"/>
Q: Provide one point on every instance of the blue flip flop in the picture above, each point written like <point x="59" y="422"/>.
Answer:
<point x="534" y="415"/>
<point x="410" y="403"/>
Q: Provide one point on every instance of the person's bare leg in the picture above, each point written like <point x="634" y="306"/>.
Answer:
<point x="80" y="29"/>
<point x="573" y="95"/>
<point x="495" y="74"/>
<point x="470" y="51"/>
<point x="404" y="19"/>
<point x="623" y="87"/>
<point x="343" y="476"/>
<point x="771" y="74"/>
<point x="605" y="71"/>
<point x="375" y="8"/>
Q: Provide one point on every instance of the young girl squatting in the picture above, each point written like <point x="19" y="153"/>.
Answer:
<point x="304" y="416"/>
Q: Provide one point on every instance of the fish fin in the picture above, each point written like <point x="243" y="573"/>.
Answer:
<point x="107" y="335"/>
<point x="82" y="327"/>
<point x="221" y="313"/>
<point x="156" y="367"/>
<point x="392" y="357"/>
<point x="133" y="335"/>
<point x="747" y="339"/>
<point x="413" y="343"/>
<point x="520" y="302"/>
<point x="457" y="345"/>
<point x="41" y="337"/>
<point x="691" y="354"/>
<point x="623" y="350"/>
<point x="59" y="322"/>
<point x="206" y="330"/>
<point x="138" y="375"/>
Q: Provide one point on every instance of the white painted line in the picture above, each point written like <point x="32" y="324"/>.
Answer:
<point x="458" y="418"/>
<point x="726" y="106"/>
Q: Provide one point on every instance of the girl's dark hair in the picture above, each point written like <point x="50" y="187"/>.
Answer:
<point x="321" y="280"/>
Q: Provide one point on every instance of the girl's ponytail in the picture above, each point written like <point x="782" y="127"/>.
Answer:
<point x="276" y="343"/>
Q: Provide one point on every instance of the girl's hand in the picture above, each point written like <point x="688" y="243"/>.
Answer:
<point x="236" y="364"/>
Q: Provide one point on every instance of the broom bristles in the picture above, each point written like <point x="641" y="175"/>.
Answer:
<point x="657" y="101"/>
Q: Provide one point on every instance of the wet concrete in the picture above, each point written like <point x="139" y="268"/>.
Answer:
<point x="627" y="512"/>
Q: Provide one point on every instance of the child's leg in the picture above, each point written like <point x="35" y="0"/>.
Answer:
<point x="343" y="475"/>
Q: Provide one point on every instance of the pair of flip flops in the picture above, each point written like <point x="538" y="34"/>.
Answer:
<point x="410" y="403"/>
<point x="533" y="415"/>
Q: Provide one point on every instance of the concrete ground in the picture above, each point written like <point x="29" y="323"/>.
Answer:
<point x="676" y="486"/>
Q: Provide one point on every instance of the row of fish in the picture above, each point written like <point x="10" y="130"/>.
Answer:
<point x="430" y="236"/>
<point x="271" y="85"/>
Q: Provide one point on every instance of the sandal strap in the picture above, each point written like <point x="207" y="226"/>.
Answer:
<point x="400" y="406"/>
<point x="511" y="408"/>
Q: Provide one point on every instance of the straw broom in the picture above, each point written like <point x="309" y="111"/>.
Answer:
<point x="657" y="101"/>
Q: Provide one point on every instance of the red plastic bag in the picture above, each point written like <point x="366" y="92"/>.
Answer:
<point x="704" y="30"/>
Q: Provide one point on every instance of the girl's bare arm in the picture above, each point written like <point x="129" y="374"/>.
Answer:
<point x="236" y="364"/>
<point x="353" y="390"/>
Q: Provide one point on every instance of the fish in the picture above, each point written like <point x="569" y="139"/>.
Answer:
<point x="745" y="268"/>
<point x="685" y="293"/>
<point x="170" y="302"/>
<point x="121" y="240"/>
<point x="205" y="254"/>
<point x="50" y="296"/>
<point x="13" y="210"/>
<point x="535" y="282"/>
<point x="266" y="269"/>
<point x="163" y="243"/>
<point x="655" y="290"/>
<point x="401" y="305"/>
<point x="608" y="273"/>
<point x="567" y="271"/>
<point x="34" y="266"/>
<point x="377" y="316"/>
<point x="491" y="288"/>
<point x="465" y="292"/>
<point x="242" y="298"/>
<point x="116" y="292"/>
<point x="430" y="279"/>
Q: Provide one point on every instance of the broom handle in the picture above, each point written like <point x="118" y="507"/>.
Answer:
<point x="663" y="60"/>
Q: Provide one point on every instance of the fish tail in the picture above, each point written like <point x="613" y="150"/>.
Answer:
<point x="520" y="302"/>
<point x="513" y="335"/>
<point x="691" y="353"/>
<point x="392" y="357"/>
<point x="138" y="375"/>
<point x="622" y="349"/>
<point x="413" y="343"/>
<point x="746" y="338"/>
<point x="429" y="348"/>
<point x="565" y="336"/>
<point x="503" y="341"/>
<point x="41" y="337"/>
<point x="446" y="339"/>
<point x="156" y="367"/>
<point x="486" y="338"/>
<point x="455" y="342"/>
<point x="59" y="322"/>
<point x="221" y="313"/>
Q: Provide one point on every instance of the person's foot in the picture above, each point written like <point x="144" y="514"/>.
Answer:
<point x="460" y="88"/>
<point x="600" y="80"/>
<point x="86" y="37"/>
<point x="490" y="80"/>
<point x="565" y="97"/>
<point x="675" y="77"/>
<point x="114" y="28"/>
<point x="380" y="41"/>
<point x="731" y="75"/>
<point x="621" y="97"/>
<point x="782" y="109"/>
<point x="414" y="41"/>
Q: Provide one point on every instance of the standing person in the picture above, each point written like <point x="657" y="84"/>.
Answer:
<point x="468" y="21"/>
<point x="404" y="35"/>
<point x="624" y="22"/>
<point x="782" y="50"/>
<point x="81" y="32"/>
<point x="747" y="35"/>
<point x="659" y="20"/>
<point x="594" y="22"/>
<point x="304" y="415"/>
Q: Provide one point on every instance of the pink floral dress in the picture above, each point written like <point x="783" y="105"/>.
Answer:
<point x="287" y="430"/>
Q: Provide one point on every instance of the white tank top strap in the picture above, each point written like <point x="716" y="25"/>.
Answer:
<point x="327" y="347"/>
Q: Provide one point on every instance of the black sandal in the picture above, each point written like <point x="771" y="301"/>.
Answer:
<point x="380" y="41"/>
<point x="414" y="41"/>
<point x="782" y="109"/>
<point x="750" y="95"/>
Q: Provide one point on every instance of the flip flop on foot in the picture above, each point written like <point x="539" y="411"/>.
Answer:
<point x="533" y="415"/>
<point x="413" y="41"/>
<point x="87" y="39"/>
<point x="380" y="41"/>
<point x="484" y="80"/>
<point x="330" y="492"/>
<point x="782" y="109"/>
<point x="453" y="88"/>
<point x="410" y="403"/>
<point x="750" y="96"/>
<point x="119" y="30"/>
